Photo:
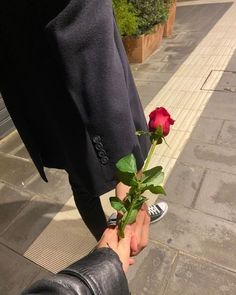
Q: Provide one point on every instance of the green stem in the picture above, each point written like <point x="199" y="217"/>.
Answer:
<point x="150" y="153"/>
<point x="137" y="193"/>
<point x="128" y="215"/>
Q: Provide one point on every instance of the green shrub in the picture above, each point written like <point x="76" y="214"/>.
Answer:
<point x="126" y="18"/>
<point x="169" y="3"/>
<point x="150" y="13"/>
<point x="139" y="16"/>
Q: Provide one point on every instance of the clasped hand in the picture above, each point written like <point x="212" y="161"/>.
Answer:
<point x="135" y="240"/>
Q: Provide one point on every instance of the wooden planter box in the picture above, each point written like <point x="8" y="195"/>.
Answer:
<point x="140" y="48"/>
<point x="169" y="25"/>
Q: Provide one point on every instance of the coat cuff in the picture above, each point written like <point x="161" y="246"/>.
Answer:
<point x="101" y="271"/>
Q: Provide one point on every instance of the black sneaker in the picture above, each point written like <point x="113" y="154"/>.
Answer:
<point x="112" y="219"/>
<point x="157" y="211"/>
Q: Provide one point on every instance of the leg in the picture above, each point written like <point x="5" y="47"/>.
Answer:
<point x="90" y="209"/>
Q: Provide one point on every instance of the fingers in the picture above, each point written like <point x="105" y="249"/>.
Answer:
<point x="123" y="249"/>
<point x="136" y="245"/>
<point x="145" y="230"/>
<point x="133" y="243"/>
<point x="146" y="224"/>
<point x="110" y="238"/>
<point x="138" y="232"/>
<point x="141" y="231"/>
<point x="126" y="241"/>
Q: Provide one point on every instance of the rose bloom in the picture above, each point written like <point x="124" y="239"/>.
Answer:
<point x="160" y="117"/>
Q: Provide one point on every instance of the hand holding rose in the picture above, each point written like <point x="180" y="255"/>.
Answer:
<point x="159" y="127"/>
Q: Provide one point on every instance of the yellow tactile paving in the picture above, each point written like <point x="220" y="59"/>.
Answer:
<point x="63" y="241"/>
<point x="66" y="239"/>
<point x="188" y="71"/>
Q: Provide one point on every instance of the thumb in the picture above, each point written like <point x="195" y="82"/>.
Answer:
<point x="124" y="248"/>
<point x="126" y="241"/>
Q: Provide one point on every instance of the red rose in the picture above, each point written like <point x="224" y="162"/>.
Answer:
<point x="160" y="117"/>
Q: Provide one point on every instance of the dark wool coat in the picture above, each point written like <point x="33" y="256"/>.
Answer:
<point x="66" y="82"/>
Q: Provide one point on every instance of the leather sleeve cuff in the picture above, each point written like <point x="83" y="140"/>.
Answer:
<point x="101" y="271"/>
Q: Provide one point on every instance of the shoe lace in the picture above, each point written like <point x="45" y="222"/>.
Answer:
<point x="153" y="210"/>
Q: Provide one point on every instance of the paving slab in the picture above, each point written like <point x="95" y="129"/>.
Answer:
<point x="10" y="143"/>
<point x="22" y="152"/>
<point x="183" y="184"/>
<point x="150" y="273"/>
<point x="29" y="223"/>
<point x="207" y="130"/>
<point x="198" y="234"/>
<point x="15" y="171"/>
<point x="232" y="65"/>
<point x="226" y="84"/>
<point x="217" y="195"/>
<point x="43" y="273"/>
<point x="222" y="105"/>
<point x="16" y="272"/>
<point x="227" y="135"/>
<point x="215" y="157"/>
<point x="11" y="203"/>
<point x="148" y="89"/>
<point x="151" y="76"/>
<point x="57" y="187"/>
<point x="13" y="145"/>
<point x="194" y="276"/>
<point x="149" y="66"/>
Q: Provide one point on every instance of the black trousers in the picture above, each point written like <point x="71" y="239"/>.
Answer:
<point x="89" y="207"/>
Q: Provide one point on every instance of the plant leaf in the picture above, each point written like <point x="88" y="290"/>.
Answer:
<point x="126" y="169"/>
<point x="117" y="204"/>
<point x="127" y="164"/>
<point x="141" y="132"/>
<point x="138" y="204"/>
<point x="132" y="216"/>
<point x="127" y="201"/>
<point x="125" y="177"/>
<point x="156" y="137"/>
<point x="156" y="189"/>
<point x="153" y="174"/>
<point x="134" y="183"/>
<point x="157" y="179"/>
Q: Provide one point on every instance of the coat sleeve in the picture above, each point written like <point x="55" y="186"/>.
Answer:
<point x="99" y="273"/>
<point x="83" y="38"/>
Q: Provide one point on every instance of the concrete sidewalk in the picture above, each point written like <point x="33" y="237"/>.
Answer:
<point x="191" y="251"/>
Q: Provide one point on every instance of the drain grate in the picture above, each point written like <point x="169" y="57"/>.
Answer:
<point x="223" y="81"/>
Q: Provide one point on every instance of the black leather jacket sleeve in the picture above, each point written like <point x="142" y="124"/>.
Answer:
<point x="98" y="273"/>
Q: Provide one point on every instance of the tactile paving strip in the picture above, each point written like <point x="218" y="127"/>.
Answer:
<point x="63" y="241"/>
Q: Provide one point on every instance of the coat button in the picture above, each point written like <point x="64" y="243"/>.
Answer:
<point x="102" y="153"/>
<point x="104" y="160"/>
<point x="96" y="139"/>
<point x="99" y="146"/>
